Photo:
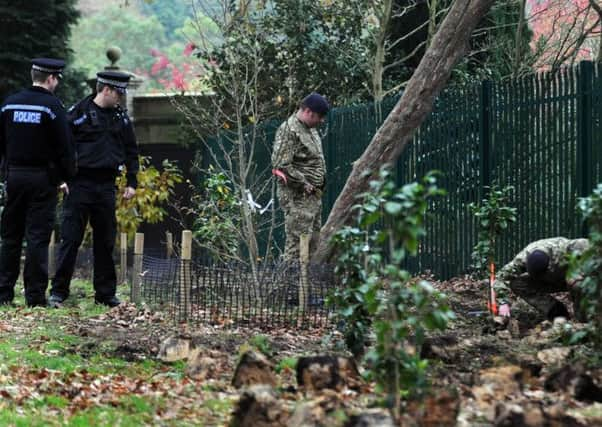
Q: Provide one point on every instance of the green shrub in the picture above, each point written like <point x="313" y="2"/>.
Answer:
<point x="586" y="268"/>
<point x="217" y="216"/>
<point x="376" y="293"/>
<point x="494" y="216"/>
<point x="153" y="192"/>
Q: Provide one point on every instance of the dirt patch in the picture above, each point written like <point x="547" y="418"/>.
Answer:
<point x="139" y="331"/>
<point x="461" y="359"/>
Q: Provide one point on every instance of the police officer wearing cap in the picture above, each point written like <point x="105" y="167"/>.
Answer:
<point x="299" y="164"/>
<point x="104" y="141"/>
<point x="37" y="155"/>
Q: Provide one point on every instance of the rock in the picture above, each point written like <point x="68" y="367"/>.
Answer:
<point x="560" y="379"/>
<point x="440" y="409"/>
<point x="545" y="325"/>
<point x="588" y="415"/>
<point x="535" y="394"/>
<point x="370" y="418"/>
<point x="575" y="380"/>
<point x="443" y="347"/>
<point x="531" y="365"/>
<point x="585" y="389"/>
<point x="253" y="368"/>
<point x="316" y="412"/>
<point x="554" y="355"/>
<point x="200" y="367"/>
<point x="557" y="416"/>
<point x="497" y="384"/>
<point x="513" y="415"/>
<point x="307" y="415"/>
<point x="259" y="407"/>
<point x="534" y="416"/>
<point x="174" y="348"/>
<point x="327" y="372"/>
<point x="509" y="415"/>
<point x="504" y="335"/>
<point x="506" y="379"/>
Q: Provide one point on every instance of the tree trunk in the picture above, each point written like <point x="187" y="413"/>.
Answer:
<point x="598" y="10"/>
<point x="518" y="41"/>
<point x="448" y="46"/>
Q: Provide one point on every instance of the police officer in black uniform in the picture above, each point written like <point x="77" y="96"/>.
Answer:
<point x="104" y="141"/>
<point x="37" y="155"/>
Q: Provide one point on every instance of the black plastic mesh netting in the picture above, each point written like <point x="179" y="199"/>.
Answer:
<point x="204" y="291"/>
<point x="236" y="294"/>
<point x="158" y="279"/>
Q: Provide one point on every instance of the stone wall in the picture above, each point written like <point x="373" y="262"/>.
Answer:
<point x="157" y="125"/>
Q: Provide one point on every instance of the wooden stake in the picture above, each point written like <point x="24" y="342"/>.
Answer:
<point x="169" y="244"/>
<point x="137" y="268"/>
<point x="51" y="256"/>
<point x="123" y="251"/>
<point x="185" y="276"/>
<point x="491" y="302"/>
<point x="304" y="280"/>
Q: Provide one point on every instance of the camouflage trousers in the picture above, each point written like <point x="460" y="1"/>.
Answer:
<point x="537" y="292"/>
<point x="302" y="215"/>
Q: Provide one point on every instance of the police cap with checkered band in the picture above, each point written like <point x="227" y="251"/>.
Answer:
<point x="48" y="65"/>
<point x="116" y="79"/>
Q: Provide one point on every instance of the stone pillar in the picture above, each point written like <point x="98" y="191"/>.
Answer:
<point x="114" y="54"/>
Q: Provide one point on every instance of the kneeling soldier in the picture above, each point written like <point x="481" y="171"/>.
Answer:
<point x="539" y="270"/>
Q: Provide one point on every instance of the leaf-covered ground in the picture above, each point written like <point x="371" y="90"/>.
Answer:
<point x="87" y="365"/>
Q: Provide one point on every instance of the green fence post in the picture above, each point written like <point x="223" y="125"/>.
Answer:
<point x="585" y="153"/>
<point x="485" y="136"/>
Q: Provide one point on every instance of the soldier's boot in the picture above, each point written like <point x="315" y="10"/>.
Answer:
<point x="558" y="309"/>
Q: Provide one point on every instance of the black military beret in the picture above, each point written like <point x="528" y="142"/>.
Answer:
<point x="48" y="65"/>
<point x="316" y="103"/>
<point x="115" y="79"/>
<point x="537" y="262"/>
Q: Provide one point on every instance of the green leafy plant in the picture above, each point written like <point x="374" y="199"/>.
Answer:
<point x="286" y="364"/>
<point x="357" y="292"/>
<point x="263" y="344"/>
<point x="494" y="215"/>
<point x="408" y="312"/>
<point x="217" y="216"/>
<point x="586" y="268"/>
<point x="148" y="204"/>
<point x="378" y="294"/>
<point x="569" y="335"/>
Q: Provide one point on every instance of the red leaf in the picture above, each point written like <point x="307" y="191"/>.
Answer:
<point x="190" y="47"/>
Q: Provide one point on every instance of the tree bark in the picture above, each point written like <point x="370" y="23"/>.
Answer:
<point x="518" y="50"/>
<point x="447" y="48"/>
<point x="598" y="10"/>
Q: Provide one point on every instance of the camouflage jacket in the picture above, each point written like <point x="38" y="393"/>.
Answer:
<point x="298" y="153"/>
<point x="557" y="248"/>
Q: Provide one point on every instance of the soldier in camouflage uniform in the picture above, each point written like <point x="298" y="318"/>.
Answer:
<point x="538" y="270"/>
<point x="298" y="161"/>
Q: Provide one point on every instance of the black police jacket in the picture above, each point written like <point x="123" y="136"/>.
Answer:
<point x="104" y="140"/>
<point x="34" y="133"/>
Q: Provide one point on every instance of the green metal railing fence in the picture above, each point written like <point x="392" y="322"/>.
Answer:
<point x="541" y="133"/>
